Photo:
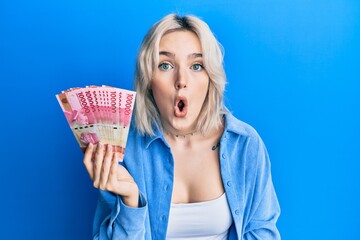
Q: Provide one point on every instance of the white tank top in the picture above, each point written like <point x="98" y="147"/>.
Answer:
<point x="202" y="220"/>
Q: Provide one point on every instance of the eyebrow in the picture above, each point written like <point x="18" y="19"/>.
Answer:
<point x="196" y="55"/>
<point x="172" y="55"/>
<point x="168" y="54"/>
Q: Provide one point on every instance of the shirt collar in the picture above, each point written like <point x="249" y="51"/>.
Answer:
<point x="232" y="124"/>
<point x="157" y="135"/>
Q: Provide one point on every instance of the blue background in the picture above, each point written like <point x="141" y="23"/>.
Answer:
<point x="293" y="73"/>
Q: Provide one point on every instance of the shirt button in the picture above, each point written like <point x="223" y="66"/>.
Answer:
<point x="237" y="212"/>
<point x="229" y="183"/>
<point x="166" y="188"/>
<point x="163" y="218"/>
<point x="223" y="155"/>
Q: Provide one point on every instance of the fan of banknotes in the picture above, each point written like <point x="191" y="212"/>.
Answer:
<point x="98" y="114"/>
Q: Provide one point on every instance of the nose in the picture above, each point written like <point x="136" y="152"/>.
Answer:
<point x="180" y="80"/>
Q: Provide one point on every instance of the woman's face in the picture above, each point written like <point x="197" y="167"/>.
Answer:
<point x="180" y="82"/>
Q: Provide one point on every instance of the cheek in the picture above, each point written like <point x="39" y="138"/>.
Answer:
<point x="202" y="86"/>
<point x="158" y="89"/>
<point x="161" y="82"/>
<point x="206" y="87"/>
<point x="160" y="93"/>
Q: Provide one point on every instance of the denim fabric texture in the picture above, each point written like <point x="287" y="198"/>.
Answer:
<point x="246" y="176"/>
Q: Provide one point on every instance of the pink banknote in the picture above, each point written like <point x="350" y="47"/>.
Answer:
<point x="98" y="114"/>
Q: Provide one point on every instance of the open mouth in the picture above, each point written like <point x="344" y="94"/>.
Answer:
<point x="181" y="105"/>
<point x="180" y="108"/>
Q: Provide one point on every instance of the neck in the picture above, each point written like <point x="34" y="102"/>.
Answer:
<point x="178" y="134"/>
<point x="182" y="140"/>
<point x="194" y="140"/>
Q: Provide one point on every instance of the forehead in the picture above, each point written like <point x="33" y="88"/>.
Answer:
<point x="181" y="41"/>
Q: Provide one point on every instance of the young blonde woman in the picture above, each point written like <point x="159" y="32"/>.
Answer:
<point x="191" y="169"/>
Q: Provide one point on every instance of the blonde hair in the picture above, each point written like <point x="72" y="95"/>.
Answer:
<point x="146" y="112"/>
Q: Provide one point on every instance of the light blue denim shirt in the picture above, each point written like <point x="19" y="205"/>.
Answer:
<point x="246" y="176"/>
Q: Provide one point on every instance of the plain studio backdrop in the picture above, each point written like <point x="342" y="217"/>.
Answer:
<point x="293" y="72"/>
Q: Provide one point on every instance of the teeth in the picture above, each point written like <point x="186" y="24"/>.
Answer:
<point x="181" y="105"/>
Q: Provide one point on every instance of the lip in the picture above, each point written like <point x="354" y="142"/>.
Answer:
<point x="177" y="111"/>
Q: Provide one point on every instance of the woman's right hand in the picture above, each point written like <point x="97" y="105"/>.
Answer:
<point x="102" y="164"/>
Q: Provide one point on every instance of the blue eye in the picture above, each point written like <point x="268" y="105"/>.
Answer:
<point x="197" y="67"/>
<point x="165" y="66"/>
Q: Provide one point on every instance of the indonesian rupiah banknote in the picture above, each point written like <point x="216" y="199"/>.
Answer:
<point x="98" y="114"/>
